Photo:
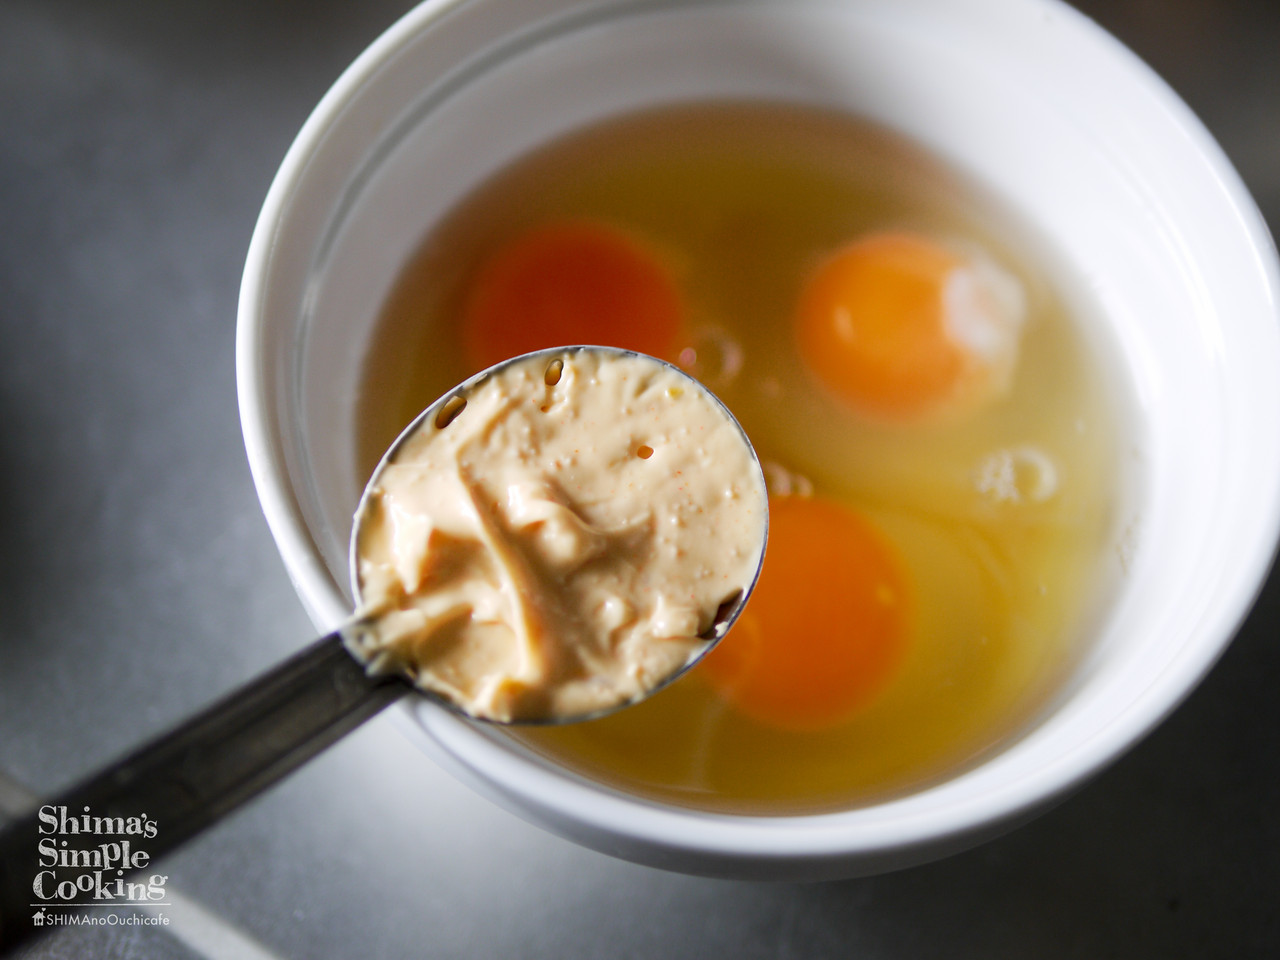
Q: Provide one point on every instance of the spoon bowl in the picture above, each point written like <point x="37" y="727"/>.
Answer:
<point x="443" y="412"/>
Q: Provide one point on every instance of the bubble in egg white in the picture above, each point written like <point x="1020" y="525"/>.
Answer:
<point x="715" y="358"/>
<point x="1017" y="475"/>
<point x="782" y="482"/>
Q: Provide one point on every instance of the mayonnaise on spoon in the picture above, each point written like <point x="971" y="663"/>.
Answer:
<point x="558" y="537"/>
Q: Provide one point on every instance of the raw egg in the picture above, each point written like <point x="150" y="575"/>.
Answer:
<point x="937" y="544"/>
<point x="903" y="328"/>
<point x="827" y="625"/>
<point x="570" y="282"/>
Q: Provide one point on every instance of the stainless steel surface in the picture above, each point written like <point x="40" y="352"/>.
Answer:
<point x="137" y="140"/>
<point x="198" y="772"/>
<point x="195" y="774"/>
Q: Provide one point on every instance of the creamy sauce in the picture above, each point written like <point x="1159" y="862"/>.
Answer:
<point x="563" y="545"/>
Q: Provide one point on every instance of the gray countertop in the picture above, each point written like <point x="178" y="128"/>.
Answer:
<point x="137" y="140"/>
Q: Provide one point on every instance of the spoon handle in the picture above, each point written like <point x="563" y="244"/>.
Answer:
<point x="192" y="775"/>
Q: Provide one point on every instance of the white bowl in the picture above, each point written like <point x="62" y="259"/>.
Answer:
<point x="1027" y="96"/>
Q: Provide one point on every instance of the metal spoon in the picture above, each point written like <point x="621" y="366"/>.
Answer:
<point x="193" y="775"/>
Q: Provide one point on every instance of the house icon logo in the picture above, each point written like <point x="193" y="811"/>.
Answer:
<point x="38" y="917"/>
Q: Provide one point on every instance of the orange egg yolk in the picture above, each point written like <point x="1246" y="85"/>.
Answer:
<point x="570" y="282"/>
<point x="826" y="627"/>
<point x="904" y="329"/>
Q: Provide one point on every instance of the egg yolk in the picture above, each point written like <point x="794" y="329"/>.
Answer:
<point x="570" y="282"/>
<point x="825" y="628"/>
<point x="904" y="329"/>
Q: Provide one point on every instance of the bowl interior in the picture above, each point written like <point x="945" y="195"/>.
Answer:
<point x="1028" y="98"/>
